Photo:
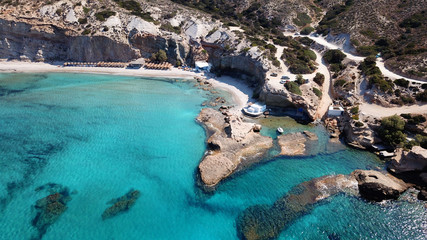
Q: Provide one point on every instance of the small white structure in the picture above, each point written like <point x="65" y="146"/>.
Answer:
<point x="335" y="111"/>
<point x="203" y="66"/>
<point x="254" y="109"/>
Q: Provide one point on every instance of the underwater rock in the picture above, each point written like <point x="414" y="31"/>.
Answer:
<point x="264" y="222"/>
<point x="121" y="204"/>
<point x="51" y="207"/>
<point x="376" y="186"/>
<point x="294" y="144"/>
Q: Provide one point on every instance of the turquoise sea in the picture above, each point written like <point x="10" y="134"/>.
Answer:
<point x="100" y="136"/>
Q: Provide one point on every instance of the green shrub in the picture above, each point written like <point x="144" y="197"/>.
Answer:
<point x="86" y="10"/>
<point x="102" y="16"/>
<point x="339" y="83"/>
<point x="135" y="8"/>
<point x="422" y="96"/>
<point x="86" y="31"/>
<point x="414" y="21"/>
<point x="336" y="67"/>
<point x="307" y="30"/>
<point x="369" y="33"/>
<point x="367" y="50"/>
<point x="358" y="124"/>
<point x="159" y="56"/>
<point x="168" y="27"/>
<point x="306" y="41"/>
<point x="82" y="20"/>
<point x="293" y="88"/>
<point x="299" y="79"/>
<point x="402" y="82"/>
<point x="334" y="56"/>
<point x="317" y="92"/>
<point x="300" y="59"/>
<point x="319" y="79"/>
<point x="391" y="130"/>
<point x="397" y="92"/>
<point x="407" y="99"/>
<point x="422" y="140"/>
<point x="413" y="120"/>
<point x="354" y="110"/>
<point x="302" y="19"/>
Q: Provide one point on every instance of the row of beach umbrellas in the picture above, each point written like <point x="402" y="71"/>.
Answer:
<point x="95" y="64"/>
<point x="163" y="66"/>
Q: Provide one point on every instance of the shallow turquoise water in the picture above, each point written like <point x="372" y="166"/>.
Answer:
<point x="102" y="135"/>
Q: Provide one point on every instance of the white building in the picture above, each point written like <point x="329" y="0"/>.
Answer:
<point x="203" y="66"/>
<point x="335" y="111"/>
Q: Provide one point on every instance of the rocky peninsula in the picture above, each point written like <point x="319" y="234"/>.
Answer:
<point x="231" y="143"/>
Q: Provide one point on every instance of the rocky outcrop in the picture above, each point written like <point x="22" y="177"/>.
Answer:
<point x="411" y="166"/>
<point x="413" y="161"/>
<point x="293" y="144"/>
<point x="359" y="136"/>
<point x="283" y="98"/>
<point x="121" y="204"/>
<point x="231" y="143"/>
<point x="376" y="186"/>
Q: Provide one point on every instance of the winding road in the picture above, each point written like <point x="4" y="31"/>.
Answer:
<point x="365" y="108"/>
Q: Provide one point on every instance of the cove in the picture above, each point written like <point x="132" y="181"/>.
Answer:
<point x="101" y="136"/>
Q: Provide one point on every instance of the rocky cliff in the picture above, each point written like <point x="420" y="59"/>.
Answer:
<point x="47" y="42"/>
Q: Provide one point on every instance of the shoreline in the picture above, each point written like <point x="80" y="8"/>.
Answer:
<point x="240" y="92"/>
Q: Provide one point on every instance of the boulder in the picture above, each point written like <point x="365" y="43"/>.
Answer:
<point x="414" y="160"/>
<point x="376" y="186"/>
<point x="257" y="128"/>
<point x="422" y="195"/>
<point x="142" y="26"/>
<point x="71" y="17"/>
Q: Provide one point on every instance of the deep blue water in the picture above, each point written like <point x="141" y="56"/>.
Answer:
<point x="102" y="135"/>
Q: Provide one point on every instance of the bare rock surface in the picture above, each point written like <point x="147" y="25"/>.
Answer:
<point x="231" y="142"/>
<point x="294" y="144"/>
<point x="414" y="160"/>
<point x="377" y="186"/>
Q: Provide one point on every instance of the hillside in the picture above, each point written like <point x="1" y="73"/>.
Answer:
<point x="396" y="28"/>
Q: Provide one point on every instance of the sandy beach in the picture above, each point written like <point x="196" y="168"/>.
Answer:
<point x="240" y="92"/>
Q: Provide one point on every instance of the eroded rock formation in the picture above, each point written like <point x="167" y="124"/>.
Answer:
<point x="376" y="186"/>
<point x="231" y="142"/>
